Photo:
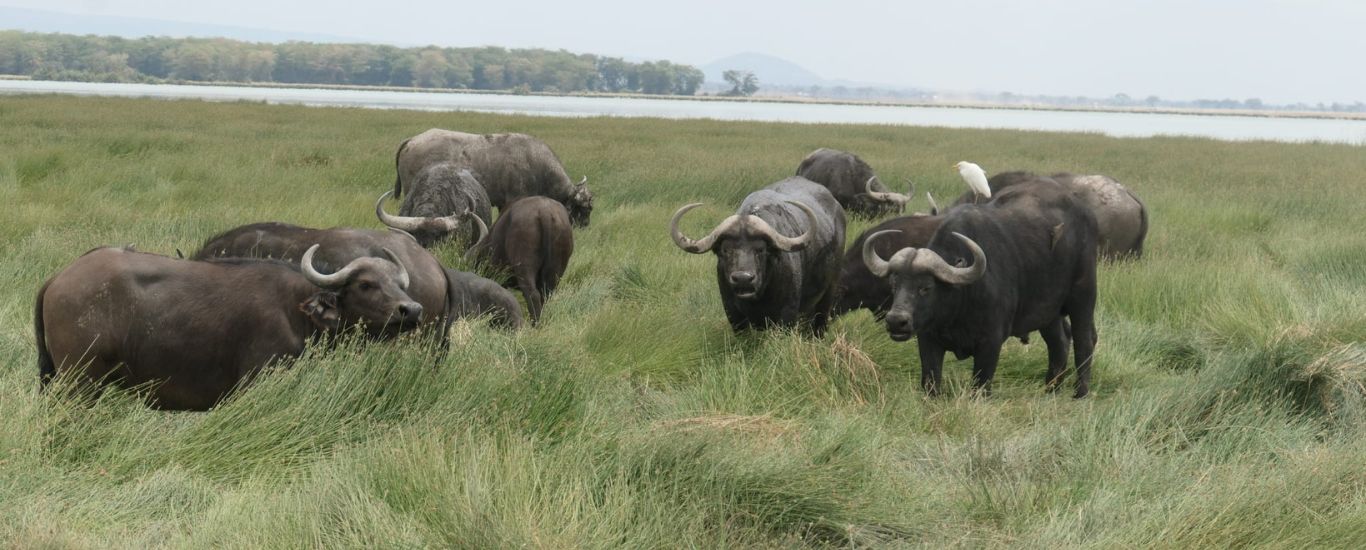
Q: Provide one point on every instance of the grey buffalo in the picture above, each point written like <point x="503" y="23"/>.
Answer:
<point x="197" y="329"/>
<point x="1024" y="262"/>
<point x="510" y="166"/>
<point x="777" y="257"/>
<point x="1121" y="217"/>
<point x="441" y="198"/>
<point x="852" y="182"/>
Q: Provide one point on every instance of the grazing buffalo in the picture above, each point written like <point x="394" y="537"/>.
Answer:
<point x="341" y="246"/>
<point x="778" y="257"/>
<point x="438" y="198"/>
<point x="510" y="166"/>
<point x="531" y="241"/>
<point x="1121" y="217"/>
<point x="199" y="329"/>
<point x="1023" y="262"/>
<point x="472" y="296"/>
<point x="852" y="182"/>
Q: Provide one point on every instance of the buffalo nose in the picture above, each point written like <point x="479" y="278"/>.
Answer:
<point x="898" y="321"/>
<point x="410" y="312"/>
<point x="741" y="278"/>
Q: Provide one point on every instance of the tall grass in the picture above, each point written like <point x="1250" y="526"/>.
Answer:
<point x="1228" y="407"/>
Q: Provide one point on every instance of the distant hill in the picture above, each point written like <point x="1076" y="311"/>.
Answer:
<point x="770" y="70"/>
<point x="135" y="27"/>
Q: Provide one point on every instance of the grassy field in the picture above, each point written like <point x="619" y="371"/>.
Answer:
<point x="1228" y="406"/>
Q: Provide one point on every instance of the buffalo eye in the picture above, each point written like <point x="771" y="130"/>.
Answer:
<point x="924" y="291"/>
<point x="367" y="285"/>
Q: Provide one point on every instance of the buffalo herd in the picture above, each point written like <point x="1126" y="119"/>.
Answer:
<point x="961" y="280"/>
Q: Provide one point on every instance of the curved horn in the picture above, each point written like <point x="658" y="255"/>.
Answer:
<point x="875" y="263"/>
<point x="889" y="197"/>
<point x="582" y="182"/>
<point x="941" y="270"/>
<point x="402" y="271"/>
<point x="705" y="243"/>
<point x="934" y="207"/>
<point x="483" y="230"/>
<point x="326" y="281"/>
<point x="410" y="223"/>
<point x="781" y="242"/>
<point x="404" y="223"/>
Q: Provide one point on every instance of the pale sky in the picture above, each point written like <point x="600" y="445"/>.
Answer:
<point x="1278" y="50"/>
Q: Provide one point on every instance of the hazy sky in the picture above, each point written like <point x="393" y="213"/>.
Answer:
<point x="1277" y="50"/>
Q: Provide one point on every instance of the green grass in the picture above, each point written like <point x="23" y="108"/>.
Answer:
<point x="1228" y="406"/>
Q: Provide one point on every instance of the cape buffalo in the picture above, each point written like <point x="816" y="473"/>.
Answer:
<point x="1041" y="244"/>
<point x="341" y="246"/>
<point x="472" y="296"/>
<point x="852" y="182"/>
<point x="1121" y="217"/>
<point x="199" y="329"/>
<point x="531" y="241"/>
<point x="510" y="166"/>
<point x="438" y="199"/>
<point x="767" y="277"/>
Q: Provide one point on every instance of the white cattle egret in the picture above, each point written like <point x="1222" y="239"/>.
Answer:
<point x="975" y="178"/>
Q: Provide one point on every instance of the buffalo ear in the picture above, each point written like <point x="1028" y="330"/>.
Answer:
<point x="321" y="308"/>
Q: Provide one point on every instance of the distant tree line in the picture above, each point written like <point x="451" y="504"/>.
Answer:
<point x="160" y="59"/>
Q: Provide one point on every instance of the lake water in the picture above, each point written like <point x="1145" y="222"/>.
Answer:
<point x="1115" y="124"/>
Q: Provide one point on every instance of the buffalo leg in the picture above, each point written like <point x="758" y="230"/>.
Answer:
<point x="931" y="366"/>
<point x="821" y="319"/>
<point x="526" y="282"/>
<point x="1056" y="336"/>
<point x="1084" y="348"/>
<point x="984" y="362"/>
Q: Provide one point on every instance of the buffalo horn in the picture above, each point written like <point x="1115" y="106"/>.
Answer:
<point x="408" y="223"/>
<point x="402" y="271"/>
<point x="941" y="270"/>
<point x="875" y="263"/>
<point x="705" y="243"/>
<point x="888" y="197"/>
<point x="781" y="242"/>
<point x="326" y="281"/>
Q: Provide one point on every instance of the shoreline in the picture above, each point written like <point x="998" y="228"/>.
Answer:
<point x="796" y="100"/>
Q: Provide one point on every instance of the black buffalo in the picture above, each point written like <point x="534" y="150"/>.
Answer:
<point x="474" y="296"/>
<point x="1041" y="247"/>
<point x="341" y="246"/>
<point x="1121" y="218"/>
<point x="510" y="166"/>
<point x="768" y="278"/>
<point x="852" y="182"/>
<point x="439" y="198"/>
<point x="199" y="329"/>
<point x="530" y="245"/>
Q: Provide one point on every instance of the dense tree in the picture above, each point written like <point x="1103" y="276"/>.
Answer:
<point x="69" y="57"/>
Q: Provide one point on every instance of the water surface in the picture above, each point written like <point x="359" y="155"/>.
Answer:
<point x="1109" y="123"/>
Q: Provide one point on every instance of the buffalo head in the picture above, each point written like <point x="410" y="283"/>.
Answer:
<point x="433" y="229"/>
<point x="580" y="204"/>
<point x="746" y="246"/>
<point x="920" y="280"/>
<point x="887" y="201"/>
<point x="371" y="292"/>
